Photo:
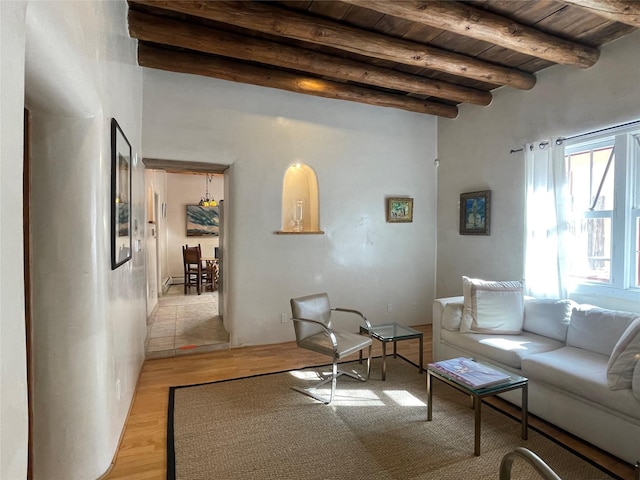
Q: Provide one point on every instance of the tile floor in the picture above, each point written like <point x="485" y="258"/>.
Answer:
<point x="185" y="324"/>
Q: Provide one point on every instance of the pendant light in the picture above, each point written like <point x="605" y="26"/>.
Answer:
<point x="206" y="201"/>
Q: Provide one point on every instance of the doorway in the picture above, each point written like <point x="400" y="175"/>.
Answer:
<point x="181" y="323"/>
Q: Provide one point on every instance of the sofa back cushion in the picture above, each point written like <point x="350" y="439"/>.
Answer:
<point x="625" y="356"/>
<point x="597" y="329"/>
<point x="492" y="307"/>
<point x="548" y="317"/>
<point x="635" y="384"/>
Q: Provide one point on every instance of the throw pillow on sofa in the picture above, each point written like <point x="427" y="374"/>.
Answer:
<point x="492" y="307"/>
<point x="624" y="358"/>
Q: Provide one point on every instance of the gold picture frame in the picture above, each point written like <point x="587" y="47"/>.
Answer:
<point x="399" y="210"/>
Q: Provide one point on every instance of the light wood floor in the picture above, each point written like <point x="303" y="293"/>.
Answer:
<point x="142" y="452"/>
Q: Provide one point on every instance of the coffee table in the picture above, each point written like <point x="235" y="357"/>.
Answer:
<point x="392" y="332"/>
<point x="514" y="382"/>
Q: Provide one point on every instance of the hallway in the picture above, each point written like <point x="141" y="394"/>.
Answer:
<point x="185" y="324"/>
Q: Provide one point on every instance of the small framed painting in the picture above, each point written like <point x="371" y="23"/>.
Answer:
<point x="475" y="213"/>
<point x="203" y="221"/>
<point x="399" y="210"/>
<point x="120" y="196"/>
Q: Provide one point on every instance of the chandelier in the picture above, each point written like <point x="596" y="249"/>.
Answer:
<point x="207" y="201"/>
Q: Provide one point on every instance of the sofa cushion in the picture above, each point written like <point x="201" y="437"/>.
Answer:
<point x="582" y="373"/>
<point x="452" y="316"/>
<point x="506" y="349"/>
<point x="624" y="357"/>
<point x="597" y="329"/>
<point x="548" y="317"/>
<point x="635" y="383"/>
<point x="492" y="307"/>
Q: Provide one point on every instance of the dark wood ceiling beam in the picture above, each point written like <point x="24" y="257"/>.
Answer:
<point x="198" y="64"/>
<point x="277" y="21"/>
<point x="162" y="30"/>
<point x="623" y="11"/>
<point x="469" y="21"/>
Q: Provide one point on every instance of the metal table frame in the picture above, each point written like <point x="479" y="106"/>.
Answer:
<point x="409" y="334"/>
<point x="476" y="399"/>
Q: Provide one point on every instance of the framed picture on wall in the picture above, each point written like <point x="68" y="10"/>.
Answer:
<point x="120" y="196"/>
<point x="203" y="221"/>
<point x="475" y="213"/>
<point x="399" y="210"/>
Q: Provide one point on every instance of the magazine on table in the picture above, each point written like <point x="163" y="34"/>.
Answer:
<point x="470" y="372"/>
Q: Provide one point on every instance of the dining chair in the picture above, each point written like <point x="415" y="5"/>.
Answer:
<point x="195" y="274"/>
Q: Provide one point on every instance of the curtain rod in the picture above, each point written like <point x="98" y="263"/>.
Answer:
<point x="628" y="124"/>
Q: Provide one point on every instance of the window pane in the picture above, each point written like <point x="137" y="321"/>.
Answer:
<point x="580" y="181"/>
<point x="589" y="242"/>
<point x="635" y="185"/>
<point x="637" y="248"/>
<point x="601" y="174"/>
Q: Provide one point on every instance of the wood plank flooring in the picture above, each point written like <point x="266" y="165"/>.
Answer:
<point x="142" y="452"/>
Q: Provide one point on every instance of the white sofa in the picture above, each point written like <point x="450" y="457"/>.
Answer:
<point x="565" y="350"/>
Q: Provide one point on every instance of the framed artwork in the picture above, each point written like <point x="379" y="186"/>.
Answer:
<point x="120" y="196"/>
<point x="203" y="221"/>
<point x="475" y="213"/>
<point x="399" y="210"/>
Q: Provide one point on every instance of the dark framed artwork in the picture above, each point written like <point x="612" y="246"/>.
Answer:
<point x="120" y="196"/>
<point x="475" y="213"/>
<point x="399" y="210"/>
<point x="203" y="221"/>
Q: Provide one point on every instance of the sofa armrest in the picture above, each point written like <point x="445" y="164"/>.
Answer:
<point x="438" y="310"/>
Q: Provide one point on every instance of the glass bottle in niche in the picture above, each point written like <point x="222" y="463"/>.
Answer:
<point x="298" y="214"/>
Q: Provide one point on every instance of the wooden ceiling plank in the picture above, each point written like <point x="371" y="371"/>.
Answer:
<point x="197" y="64"/>
<point x="274" y="20"/>
<point x="623" y="11"/>
<point x="482" y="25"/>
<point x="167" y="31"/>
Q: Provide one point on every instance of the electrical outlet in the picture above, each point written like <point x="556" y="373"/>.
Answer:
<point x="389" y="307"/>
<point x="283" y="318"/>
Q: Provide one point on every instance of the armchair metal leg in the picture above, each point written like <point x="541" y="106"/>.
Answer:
<point x="335" y="373"/>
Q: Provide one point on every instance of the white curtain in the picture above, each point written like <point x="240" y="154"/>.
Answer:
<point x="545" y="220"/>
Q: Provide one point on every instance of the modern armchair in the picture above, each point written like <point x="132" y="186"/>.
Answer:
<point x="315" y="332"/>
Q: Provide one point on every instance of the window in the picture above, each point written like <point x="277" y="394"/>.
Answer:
<point x="603" y="237"/>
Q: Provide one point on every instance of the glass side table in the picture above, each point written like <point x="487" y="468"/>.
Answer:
<point x="392" y="332"/>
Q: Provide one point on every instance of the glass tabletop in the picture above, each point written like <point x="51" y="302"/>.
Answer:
<point x="390" y="332"/>
<point x="513" y="380"/>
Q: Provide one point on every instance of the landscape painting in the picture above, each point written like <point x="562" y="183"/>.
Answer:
<point x="203" y="221"/>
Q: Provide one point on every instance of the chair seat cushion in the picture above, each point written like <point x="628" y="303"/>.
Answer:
<point x="348" y="343"/>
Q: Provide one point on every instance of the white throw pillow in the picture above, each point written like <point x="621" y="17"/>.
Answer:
<point x="452" y="316"/>
<point x="492" y="307"/>
<point x="547" y="317"/>
<point x="624" y="358"/>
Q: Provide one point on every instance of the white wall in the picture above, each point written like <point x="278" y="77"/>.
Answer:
<point x="88" y="321"/>
<point x="182" y="190"/>
<point x="474" y="155"/>
<point x="13" y="376"/>
<point x="361" y="154"/>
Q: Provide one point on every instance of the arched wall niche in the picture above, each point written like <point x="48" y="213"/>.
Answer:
<point x="300" y="200"/>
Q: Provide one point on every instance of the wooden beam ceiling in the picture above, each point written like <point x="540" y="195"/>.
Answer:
<point x="162" y="30"/>
<point x="623" y="11"/>
<point x="420" y="56"/>
<point x="276" y="21"/>
<point x="468" y="21"/>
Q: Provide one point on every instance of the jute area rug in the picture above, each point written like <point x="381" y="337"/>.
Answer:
<point x="259" y="428"/>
